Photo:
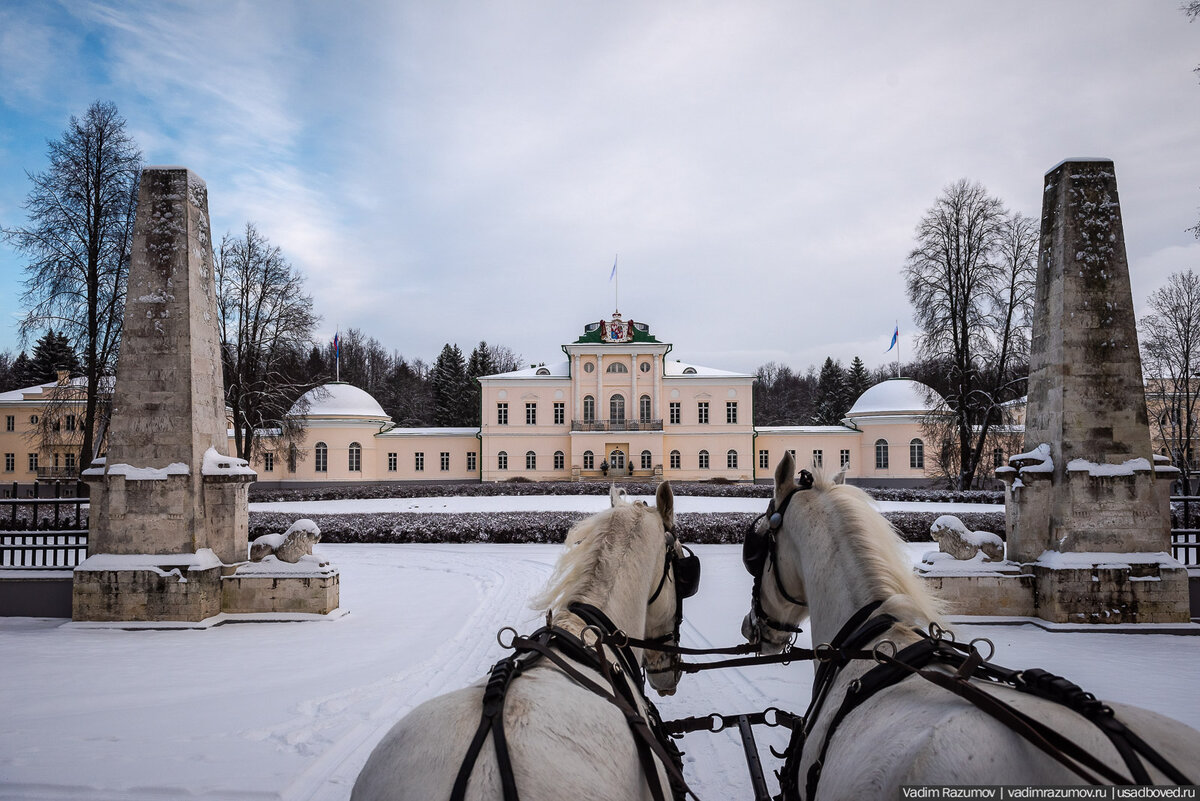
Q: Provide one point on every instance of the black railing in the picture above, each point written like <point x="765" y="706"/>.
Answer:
<point x="1185" y="540"/>
<point x="42" y="533"/>
<point x="616" y="425"/>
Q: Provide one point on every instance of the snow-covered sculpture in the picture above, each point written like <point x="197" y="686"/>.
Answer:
<point x="955" y="539"/>
<point x="289" y="546"/>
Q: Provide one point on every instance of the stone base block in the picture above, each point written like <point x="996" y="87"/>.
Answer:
<point x="164" y="592"/>
<point x="271" y="586"/>
<point x="983" y="594"/>
<point x="1145" y="592"/>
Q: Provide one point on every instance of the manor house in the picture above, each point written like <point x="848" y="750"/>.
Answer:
<point x="617" y="405"/>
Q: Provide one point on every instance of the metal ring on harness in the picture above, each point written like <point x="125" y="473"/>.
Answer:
<point x="597" y="637"/>
<point x="936" y="632"/>
<point x="824" y="652"/>
<point x="991" y="647"/>
<point x="500" y="638"/>
<point x="875" y="652"/>
<point x="716" y="723"/>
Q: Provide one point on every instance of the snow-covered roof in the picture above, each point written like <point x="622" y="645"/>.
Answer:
<point x="894" y="396"/>
<point x="79" y="383"/>
<point x="680" y="369"/>
<point x="804" y="430"/>
<point x="339" y="399"/>
<point x="556" y="370"/>
<point x="432" y="431"/>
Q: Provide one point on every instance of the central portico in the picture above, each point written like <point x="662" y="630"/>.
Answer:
<point x="617" y="401"/>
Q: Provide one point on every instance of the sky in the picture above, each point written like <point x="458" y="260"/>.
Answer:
<point x="455" y="172"/>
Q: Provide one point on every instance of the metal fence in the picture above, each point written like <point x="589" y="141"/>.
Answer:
<point x="1185" y="540"/>
<point x="43" y="533"/>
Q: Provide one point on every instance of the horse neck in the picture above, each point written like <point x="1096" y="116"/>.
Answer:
<point x="621" y="593"/>
<point x="836" y="582"/>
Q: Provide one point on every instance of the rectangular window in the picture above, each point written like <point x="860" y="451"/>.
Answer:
<point x="268" y="462"/>
<point x="56" y="460"/>
<point x="33" y="462"/>
<point x="419" y="461"/>
<point x="501" y="414"/>
<point x="764" y="460"/>
<point x="531" y="414"/>
<point x="70" y="422"/>
<point x="471" y="461"/>
<point x="845" y="459"/>
<point x="69" y="461"/>
<point x="393" y="463"/>
<point x="674" y="413"/>
<point x="730" y="411"/>
<point x="10" y="462"/>
<point x="444" y="458"/>
<point x="818" y="458"/>
<point x="702" y="412"/>
<point x="560" y="414"/>
<point x="10" y="423"/>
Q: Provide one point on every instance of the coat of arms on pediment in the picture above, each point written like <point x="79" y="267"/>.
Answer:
<point x="616" y="329"/>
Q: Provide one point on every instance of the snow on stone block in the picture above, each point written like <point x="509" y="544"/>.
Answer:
<point x="1088" y="559"/>
<point x="1097" y="470"/>
<point x="956" y="540"/>
<point x="306" y="566"/>
<point x="132" y="473"/>
<point x="216" y="464"/>
<point x="164" y="564"/>
<point x="291" y="546"/>
<point x="1035" y="461"/>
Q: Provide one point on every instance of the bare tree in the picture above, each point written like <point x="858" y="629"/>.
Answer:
<point x="970" y="281"/>
<point x="266" y="323"/>
<point x="81" y="212"/>
<point x="1171" y="364"/>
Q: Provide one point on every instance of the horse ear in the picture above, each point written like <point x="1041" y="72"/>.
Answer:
<point x="616" y="495"/>
<point x="840" y="478"/>
<point x="664" y="501"/>
<point x="785" y="474"/>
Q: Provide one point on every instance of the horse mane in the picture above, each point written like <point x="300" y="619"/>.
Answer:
<point x="878" y="546"/>
<point x="596" y="548"/>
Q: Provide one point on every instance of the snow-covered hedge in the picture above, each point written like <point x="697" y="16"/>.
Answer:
<point x="490" y="489"/>
<point x="698" y="527"/>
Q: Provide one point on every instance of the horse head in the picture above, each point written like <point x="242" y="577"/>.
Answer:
<point x="778" y="605"/>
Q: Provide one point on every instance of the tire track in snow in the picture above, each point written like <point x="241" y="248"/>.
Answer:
<point x="459" y="660"/>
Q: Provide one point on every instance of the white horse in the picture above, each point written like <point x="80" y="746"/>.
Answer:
<point x="834" y="554"/>
<point x="564" y="741"/>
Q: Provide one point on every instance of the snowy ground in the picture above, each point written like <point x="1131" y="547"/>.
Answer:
<point x="292" y="710"/>
<point x="570" y="503"/>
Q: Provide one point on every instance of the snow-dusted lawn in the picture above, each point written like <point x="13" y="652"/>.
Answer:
<point x="291" y="710"/>
<point x="570" y="503"/>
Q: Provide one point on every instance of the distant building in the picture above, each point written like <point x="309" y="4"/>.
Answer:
<point x="617" y="401"/>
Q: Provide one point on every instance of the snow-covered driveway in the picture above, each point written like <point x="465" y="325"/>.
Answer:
<point x="291" y="710"/>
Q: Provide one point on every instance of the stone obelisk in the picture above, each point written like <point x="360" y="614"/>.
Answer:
<point x="1087" y="506"/>
<point x="167" y="507"/>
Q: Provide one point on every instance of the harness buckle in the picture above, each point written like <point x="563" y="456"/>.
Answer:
<point x="500" y="638"/>
<point x="596" y="639"/>
<point x="878" y="654"/>
<point x="716" y="723"/>
<point x="825" y="652"/>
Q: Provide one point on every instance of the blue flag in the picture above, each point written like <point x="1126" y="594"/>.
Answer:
<point x="614" y="269"/>
<point x="895" y="336"/>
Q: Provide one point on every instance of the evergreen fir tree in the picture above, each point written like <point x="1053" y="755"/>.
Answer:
<point x="22" y="372"/>
<point x="479" y="364"/>
<point x="53" y="352"/>
<point x="449" y="384"/>
<point x="858" y="379"/>
<point x="832" y="394"/>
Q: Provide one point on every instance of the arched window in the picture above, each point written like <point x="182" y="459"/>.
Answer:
<point x="916" y="454"/>
<point x="355" y="460"/>
<point x="530" y="460"/>
<point x="617" y="367"/>
<point x="502" y="460"/>
<point x="589" y="460"/>
<point x="589" y="409"/>
<point x="321" y="457"/>
<point x="998" y="457"/>
<point x="616" y="459"/>
<point x="616" y="408"/>
<point x="542" y="371"/>
<point x="293" y="457"/>
<point x="703" y="460"/>
<point x="675" y="460"/>
<point x="644" y="408"/>
<point x="689" y="371"/>
<point x="731" y="459"/>
<point x="647" y="460"/>
<point x="881" y="454"/>
<point x="560" y="460"/>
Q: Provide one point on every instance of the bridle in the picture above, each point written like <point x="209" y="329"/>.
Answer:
<point x="759" y="547"/>
<point x="686" y="577"/>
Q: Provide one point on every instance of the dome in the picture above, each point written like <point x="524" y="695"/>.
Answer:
<point x="340" y="399"/>
<point x="894" y="396"/>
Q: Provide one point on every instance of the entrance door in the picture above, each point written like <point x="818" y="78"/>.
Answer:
<point x="618" y="460"/>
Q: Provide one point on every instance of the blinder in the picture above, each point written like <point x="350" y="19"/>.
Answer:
<point x="687" y="574"/>
<point x="760" y="541"/>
